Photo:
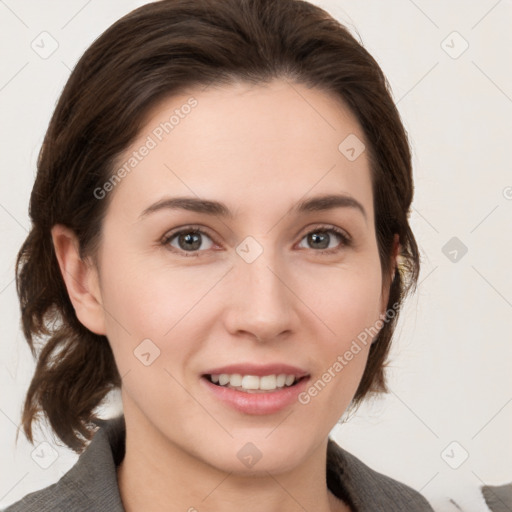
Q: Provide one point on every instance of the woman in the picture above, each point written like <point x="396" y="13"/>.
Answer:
<point x="220" y="229"/>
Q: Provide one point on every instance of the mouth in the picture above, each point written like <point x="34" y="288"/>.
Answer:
<point x="255" y="389"/>
<point x="255" y="383"/>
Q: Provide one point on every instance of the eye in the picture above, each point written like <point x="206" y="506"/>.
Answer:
<point x="321" y="237"/>
<point x="189" y="241"/>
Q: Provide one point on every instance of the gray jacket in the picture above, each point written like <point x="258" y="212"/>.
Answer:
<point x="91" y="484"/>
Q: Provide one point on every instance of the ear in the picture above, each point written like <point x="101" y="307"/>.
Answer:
<point x="81" y="279"/>
<point x="386" y="285"/>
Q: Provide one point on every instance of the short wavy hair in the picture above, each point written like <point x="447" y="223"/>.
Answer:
<point x="156" y="51"/>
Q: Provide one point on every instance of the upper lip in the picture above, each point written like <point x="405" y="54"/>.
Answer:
<point x="258" y="370"/>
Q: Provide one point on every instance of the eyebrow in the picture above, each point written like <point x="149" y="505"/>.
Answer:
<point x="216" y="208"/>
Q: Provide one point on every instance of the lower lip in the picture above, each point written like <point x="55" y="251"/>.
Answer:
<point x="257" y="403"/>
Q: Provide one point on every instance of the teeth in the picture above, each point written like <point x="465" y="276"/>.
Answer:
<point x="266" y="382"/>
<point x="223" y="379"/>
<point x="234" y="380"/>
<point x="253" y="382"/>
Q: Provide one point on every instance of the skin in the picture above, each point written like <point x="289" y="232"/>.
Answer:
<point x="259" y="149"/>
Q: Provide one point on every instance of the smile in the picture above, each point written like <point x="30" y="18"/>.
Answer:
<point x="254" y="383"/>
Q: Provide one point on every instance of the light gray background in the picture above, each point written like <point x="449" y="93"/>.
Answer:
<point x="451" y="361"/>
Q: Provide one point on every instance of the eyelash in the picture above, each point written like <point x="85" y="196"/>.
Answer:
<point x="345" y="239"/>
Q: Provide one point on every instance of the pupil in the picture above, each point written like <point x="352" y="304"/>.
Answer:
<point x="316" y="237"/>
<point x="189" y="238"/>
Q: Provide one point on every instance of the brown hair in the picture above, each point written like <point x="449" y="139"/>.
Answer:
<point x="156" y="51"/>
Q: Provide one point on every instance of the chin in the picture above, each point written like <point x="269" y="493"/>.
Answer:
<point x="257" y="458"/>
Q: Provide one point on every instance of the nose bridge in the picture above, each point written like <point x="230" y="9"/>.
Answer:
<point x="261" y="304"/>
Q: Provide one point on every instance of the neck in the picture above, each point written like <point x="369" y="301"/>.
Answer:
<point x="157" y="475"/>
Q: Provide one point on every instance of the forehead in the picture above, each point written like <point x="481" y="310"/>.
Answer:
<point x="245" y="144"/>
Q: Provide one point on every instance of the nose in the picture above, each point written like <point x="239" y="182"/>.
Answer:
<point x="262" y="304"/>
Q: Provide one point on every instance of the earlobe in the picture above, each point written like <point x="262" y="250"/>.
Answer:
<point x="81" y="280"/>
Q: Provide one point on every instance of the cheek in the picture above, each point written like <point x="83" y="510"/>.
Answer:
<point x="350" y="309"/>
<point x="149" y="300"/>
<point x="347" y="302"/>
<point x="146" y="332"/>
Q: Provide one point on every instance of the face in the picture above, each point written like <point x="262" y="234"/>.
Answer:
<point x="188" y="292"/>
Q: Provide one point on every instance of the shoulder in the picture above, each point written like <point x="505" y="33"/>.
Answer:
<point x="366" y="488"/>
<point x="91" y="484"/>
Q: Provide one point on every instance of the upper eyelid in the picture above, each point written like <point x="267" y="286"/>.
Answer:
<point x="185" y="229"/>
